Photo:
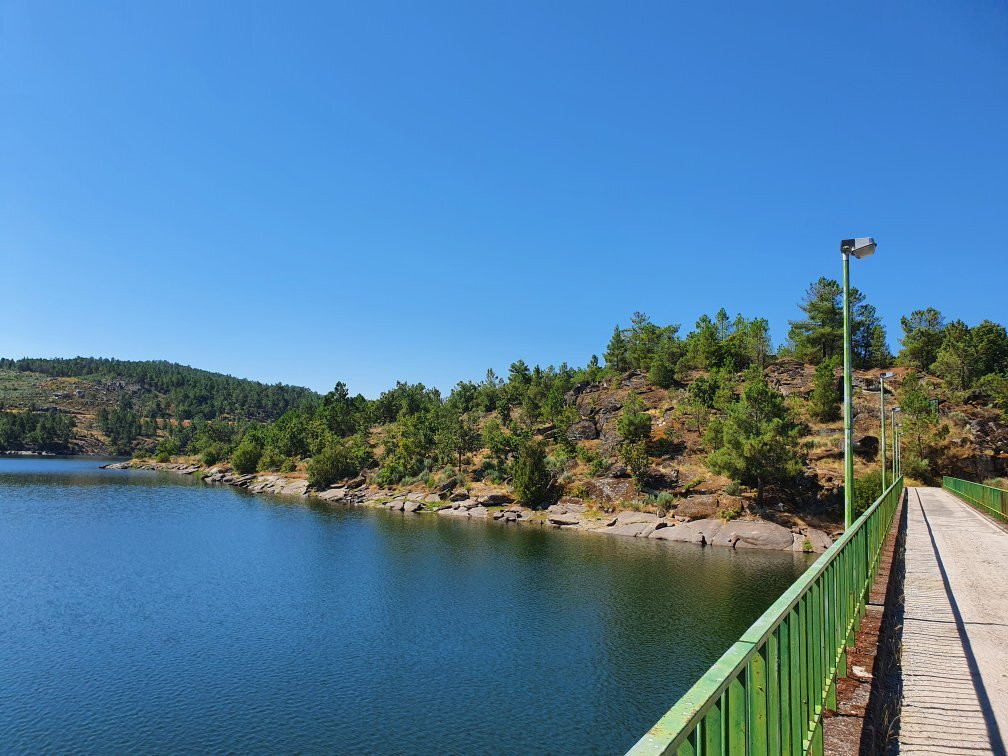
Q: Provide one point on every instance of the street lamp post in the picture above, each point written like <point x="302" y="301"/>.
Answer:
<point x="899" y="449"/>
<point x="860" y="248"/>
<point x="893" y="418"/>
<point x="881" y="390"/>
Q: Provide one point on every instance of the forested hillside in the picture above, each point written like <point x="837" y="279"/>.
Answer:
<point x="104" y="405"/>
<point x="663" y="417"/>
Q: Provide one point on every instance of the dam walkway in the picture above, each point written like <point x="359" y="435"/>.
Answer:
<point x="955" y="629"/>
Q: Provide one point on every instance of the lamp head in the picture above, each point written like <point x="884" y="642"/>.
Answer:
<point x="863" y="246"/>
<point x="887" y="376"/>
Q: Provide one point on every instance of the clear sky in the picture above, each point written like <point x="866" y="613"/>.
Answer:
<point x="312" y="192"/>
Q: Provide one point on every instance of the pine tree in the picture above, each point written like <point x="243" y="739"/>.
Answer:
<point x="756" y="443"/>
<point x="923" y="333"/>
<point x="826" y="395"/>
<point x="616" y="353"/>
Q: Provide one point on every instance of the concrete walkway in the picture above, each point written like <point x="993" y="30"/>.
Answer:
<point x="955" y="630"/>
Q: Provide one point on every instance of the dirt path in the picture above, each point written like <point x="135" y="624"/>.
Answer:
<point x="955" y="633"/>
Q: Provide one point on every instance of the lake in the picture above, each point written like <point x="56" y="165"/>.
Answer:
<point x="148" y="612"/>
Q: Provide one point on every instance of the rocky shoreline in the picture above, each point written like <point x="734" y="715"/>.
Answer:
<point x="567" y="514"/>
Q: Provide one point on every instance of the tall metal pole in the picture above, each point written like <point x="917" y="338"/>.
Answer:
<point x="893" y="419"/>
<point x="881" y="393"/>
<point x="899" y="449"/>
<point x="848" y="410"/>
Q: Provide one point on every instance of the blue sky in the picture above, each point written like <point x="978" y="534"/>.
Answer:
<point x="375" y="191"/>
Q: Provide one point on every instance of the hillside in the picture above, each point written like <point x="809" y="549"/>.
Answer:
<point x="101" y="406"/>
<point x="711" y="422"/>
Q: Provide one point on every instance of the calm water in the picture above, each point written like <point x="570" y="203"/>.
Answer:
<point x="144" y="612"/>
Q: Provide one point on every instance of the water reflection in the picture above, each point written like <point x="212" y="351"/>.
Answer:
<point x="148" y="612"/>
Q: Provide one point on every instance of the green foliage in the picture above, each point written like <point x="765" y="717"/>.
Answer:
<point x="721" y="342"/>
<point x="969" y="354"/>
<point x="827" y="395"/>
<point x="645" y="346"/>
<point x="923" y="333"/>
<point x="819" y="336"/>
<point x="635" y="423"/>
<point x="340" y="459"/>
<point x="36" y="431"/>
<point x="457" y="437"/>
<point x="245" y="457"/>
<point x="532" y="480"/>
<point x="920" y="429"/>
<point x="213" y="454"/>
<point x="634" y="455"/>
<point x="591" y="457"/>
<point x="867" y="488"/>
<point x="168" y="389"/>
<point x="499" y="443"/>
<point x="121" y="425"/>
<point x="166" y="449"/>
<point x="756" y="442"/>
<point x="729" y="512"/>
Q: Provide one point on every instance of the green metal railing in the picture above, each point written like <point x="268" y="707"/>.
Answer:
<point x="992" y="501"/>
<point x="767" y="693"/>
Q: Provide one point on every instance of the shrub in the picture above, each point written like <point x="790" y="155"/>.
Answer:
<point x="246" y="457"/>
<point x="289" y="465"/>
<point x="213" y="454"/>
<point x="333" y="463"/>
<point x="531" y="478"/>
<point x="729" y="512"/>
<point x="733" y="489"/>
<point x="824" y="404"/>
<point x="867" y="489"/>
<point x="166" y="448"/>
<point x="635" y="423"/>
<point x="270" y="460"/>
<point x="591" y="457"/>
<point x="635" y="457"/>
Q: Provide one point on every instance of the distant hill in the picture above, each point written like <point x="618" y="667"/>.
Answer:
<point x="100" y="405"/>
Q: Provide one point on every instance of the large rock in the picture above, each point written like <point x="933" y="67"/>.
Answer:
<point x="817" y="539"/>
<point x="754" y="535"/>
<point x="698" y="531"/>
<point x="698" y="507"/>
<point x="583" y="430"/>
<point x="559" y="519"/>
<point x="452" y="512"/>
<point x="295" y="488"/>
<point x="334" y="494"/>
<point x="633" y="518"/>
<point x="479" y="512"/>
<point x="411" y="505"/>
<point x="633" y="529"/>
<point x="495" y="499"/>
<point x="611" y="489"/>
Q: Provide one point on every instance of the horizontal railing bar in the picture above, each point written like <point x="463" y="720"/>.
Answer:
<point x="685" y="718"/>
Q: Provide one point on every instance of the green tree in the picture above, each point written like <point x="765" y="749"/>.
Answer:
<point x="920" y="430"/>
<point x="531" y="478"/>
<point x="826" y="395"/>
<point x="457" y="438"/>
<point x="616" y="353"/>
<point x="635" y="423"/>
<point x="756" y="442"/>
<point x="990" y="342"/>
<point x="340" y="459"/>
<point x="923" y="333"/>
<point x="957" y="359"/>
<point x="820" y="335"/>
<point x="245" y="457"/>
<point x="634" y="455"/>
